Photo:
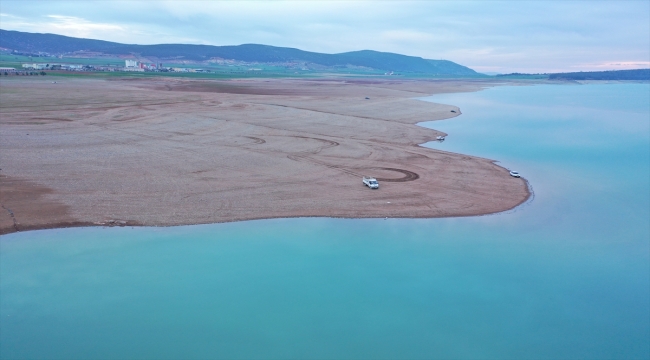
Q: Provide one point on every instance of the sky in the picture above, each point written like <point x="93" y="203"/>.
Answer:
<point x="490" y="37"/>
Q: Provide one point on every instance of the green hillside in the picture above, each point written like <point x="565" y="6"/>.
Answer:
<point x="33" y="43"/>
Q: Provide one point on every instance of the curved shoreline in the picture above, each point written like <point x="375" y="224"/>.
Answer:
<point x="79" y="224"/>
<point x="332" y="150"/>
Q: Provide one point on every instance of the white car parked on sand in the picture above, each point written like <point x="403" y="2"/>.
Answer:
<point x="514" y="174"/>
<point x="370" y="182"/>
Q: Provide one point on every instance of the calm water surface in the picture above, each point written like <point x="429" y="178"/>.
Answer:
<point x="566" y="275"/>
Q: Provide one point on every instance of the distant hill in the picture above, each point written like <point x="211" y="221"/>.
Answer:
<point x="58" y="44"/>
<point x="638" y="74"/>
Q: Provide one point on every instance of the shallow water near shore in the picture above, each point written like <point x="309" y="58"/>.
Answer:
<point x="566" y="275"/>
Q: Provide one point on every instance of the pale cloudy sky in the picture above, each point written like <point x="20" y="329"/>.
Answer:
<point x="505" y="36"/>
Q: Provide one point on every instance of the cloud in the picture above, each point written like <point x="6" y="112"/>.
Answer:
<point x="78" y="26"/>
<point x="407" y="35"/>
<point x="506" y="36"/>
<point x="75" y="26"/>
<point x="61" y="24"/>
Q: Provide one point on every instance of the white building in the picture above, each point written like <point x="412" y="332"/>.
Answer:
<point x="75" y="67"/>
<point x="131" y="64"/>
<point x="35" y="66"/>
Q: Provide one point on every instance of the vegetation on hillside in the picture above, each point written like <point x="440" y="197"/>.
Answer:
<point x="253" y="53"/>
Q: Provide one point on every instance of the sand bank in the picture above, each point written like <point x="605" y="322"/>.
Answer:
<point x="165" y="152"/>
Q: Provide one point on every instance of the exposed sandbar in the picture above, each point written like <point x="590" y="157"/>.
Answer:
<point x="172" y="152"/>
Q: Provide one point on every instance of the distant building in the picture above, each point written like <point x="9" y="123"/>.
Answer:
<point x="35" y="66"/>
<point x="73" y="67"/>
<point x="7" y="70"/>
<point x="131" y="64"/>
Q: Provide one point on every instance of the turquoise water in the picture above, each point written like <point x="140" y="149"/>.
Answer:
<point x="566" y="275"/>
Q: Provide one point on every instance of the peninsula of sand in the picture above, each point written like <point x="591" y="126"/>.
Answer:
<point x="166" y="151"/>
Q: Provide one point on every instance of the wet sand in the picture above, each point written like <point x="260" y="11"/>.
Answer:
<point x="162" y="152"/>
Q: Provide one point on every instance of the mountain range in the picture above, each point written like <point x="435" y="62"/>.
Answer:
<point x="57" y="44"/>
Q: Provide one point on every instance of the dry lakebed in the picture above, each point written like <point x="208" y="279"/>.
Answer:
<point x="162" y="152"/>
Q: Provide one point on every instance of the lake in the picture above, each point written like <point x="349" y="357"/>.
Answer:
<point x="565" y="275"/>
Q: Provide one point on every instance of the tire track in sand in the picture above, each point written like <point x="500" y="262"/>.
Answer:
<point x="257" y="140"/>
<point x="303" y="155"/>
<point x="408" y="175"/>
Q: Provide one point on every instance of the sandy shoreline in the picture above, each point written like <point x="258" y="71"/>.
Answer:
<point x="165" y="152"/>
